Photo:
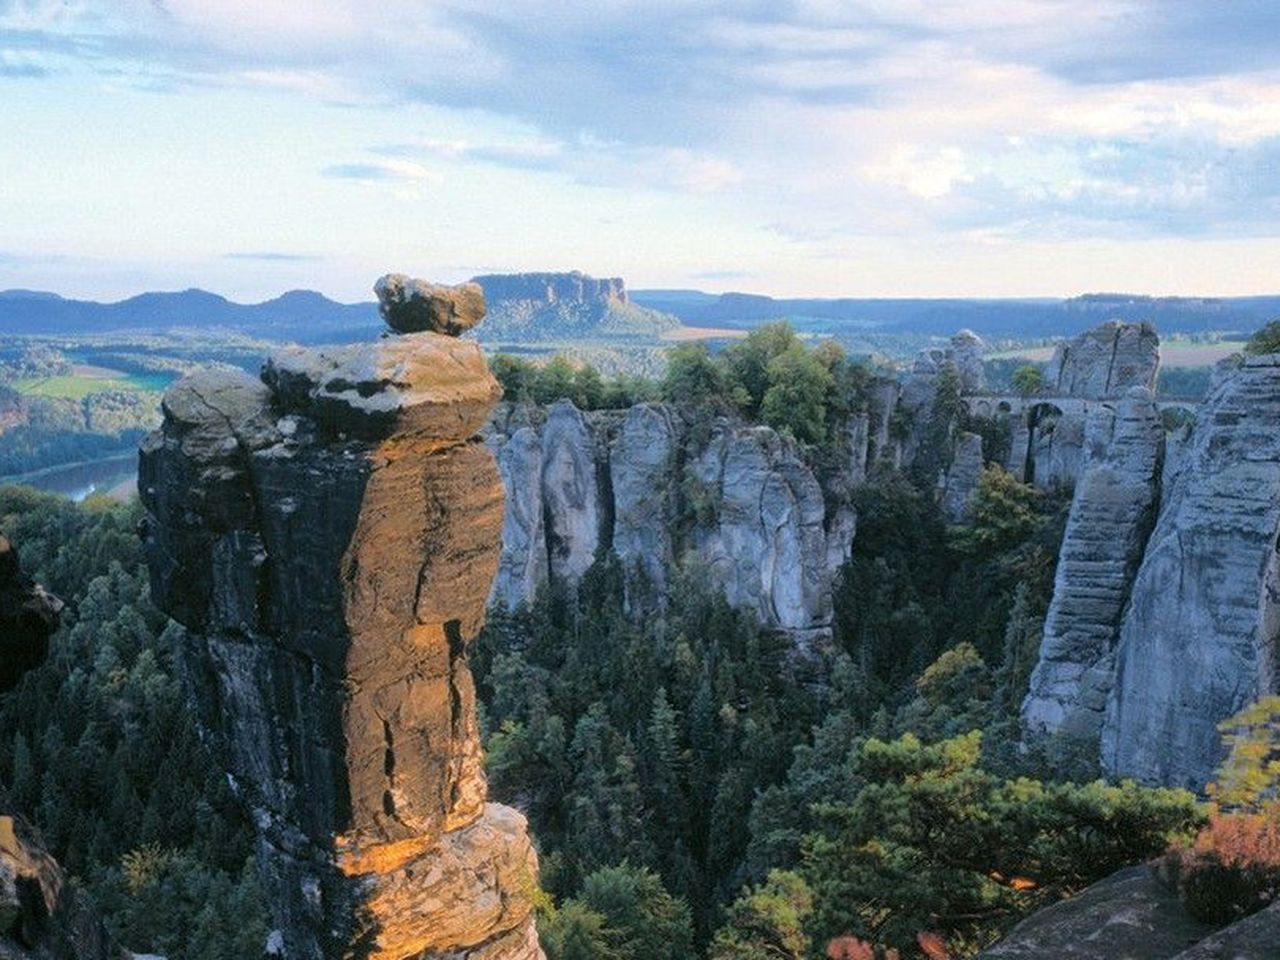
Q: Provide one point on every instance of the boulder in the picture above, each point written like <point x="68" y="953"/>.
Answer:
<point x="418" y="306"/>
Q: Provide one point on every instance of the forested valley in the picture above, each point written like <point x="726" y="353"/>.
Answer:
<point x="697" y="786"/>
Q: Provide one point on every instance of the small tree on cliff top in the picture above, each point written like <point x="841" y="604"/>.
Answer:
<point x="1028" y="380"/>
<point x="1266" y="340"/>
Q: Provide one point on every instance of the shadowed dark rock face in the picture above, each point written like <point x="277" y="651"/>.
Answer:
<point x="28" y="616"/>
<point x="41" y="916"/>
<point x="329" y="536"/>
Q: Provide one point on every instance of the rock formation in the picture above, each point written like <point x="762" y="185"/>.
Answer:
<point x="965" y="351"/>
<point x="1111" y="515"/>
<point x="1049" y="442"/>
<point x="766" y="545"/>
<point x="328" y="536"/>
<point x="415" y="306"/>
<point x="28" y="616"/>
<point x="559" y="306"/>
<point x="755" y="516"/>
<point x="42" y="916"/>
<point x="1199" y="640"/>
<point x="962" y="477"/>
<point x="1105" y="361"/>
<point x="1131" y="915"/>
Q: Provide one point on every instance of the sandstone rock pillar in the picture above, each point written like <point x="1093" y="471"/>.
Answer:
<point x="1112" y="513"/>
<point x="328" y="536"/>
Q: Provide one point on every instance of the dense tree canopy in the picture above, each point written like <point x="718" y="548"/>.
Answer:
<point x="100" y="751"/>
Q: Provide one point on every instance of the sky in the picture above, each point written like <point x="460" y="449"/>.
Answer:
<point x="816" y="147"/>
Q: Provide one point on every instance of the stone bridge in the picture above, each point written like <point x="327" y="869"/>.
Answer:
<point x="1011" y="404"/>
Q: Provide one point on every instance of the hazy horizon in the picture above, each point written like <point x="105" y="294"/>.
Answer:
<point x="1023" y="149"/>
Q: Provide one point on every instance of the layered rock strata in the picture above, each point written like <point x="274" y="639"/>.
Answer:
<point x="1199" y="640"/>
<point x="328" y="536"/>
<point x="1112" y="513"/>
<point x="28" y="616"/>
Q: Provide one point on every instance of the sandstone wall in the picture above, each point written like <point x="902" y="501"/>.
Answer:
<point x="1112" y="513"/>
<point x="1199" y="640"/>
<point x="754" y="514"/>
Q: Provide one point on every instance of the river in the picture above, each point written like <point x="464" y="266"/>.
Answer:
<point x="115" y="476"/>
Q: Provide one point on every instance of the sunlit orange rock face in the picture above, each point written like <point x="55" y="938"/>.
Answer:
<point x="328" y="535"/>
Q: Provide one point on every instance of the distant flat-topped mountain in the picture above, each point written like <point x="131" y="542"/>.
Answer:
<point x="522" y="307"/>
<point x="557" y="306"/>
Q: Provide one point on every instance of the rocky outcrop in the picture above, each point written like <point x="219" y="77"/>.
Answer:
<point x="1105" y="361"/>
<point x="328" y="536"/>
<point x="740" y="501"/>
<point x="766" y="545"/>
<point x="1199" y="640"/>
<point x="1112" y="513"/>
<point x="571" y="498"/>
<point x="962" y="477"/>
<point x="1132" y="915"/>
<point x="559" y="306"/>
<point x="882" y="444"/>
<point x="573" y="287"/>
<point x="966" y="351"/>
<point x="1048" y="445"/>
<point x="42" y="916"/>
<point x="1057" y="447"/>
<point x="416" y="306"/>
<point x="524" y="564"/>
<point x="28" y="616"/>
<point x="641" y="459"/>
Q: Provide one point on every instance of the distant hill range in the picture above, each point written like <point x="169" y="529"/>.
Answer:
<point x="535" y="307"/>
<point x="302" y="315"/>
<point x="990" y="318"/>
<point x="557" y="307"/>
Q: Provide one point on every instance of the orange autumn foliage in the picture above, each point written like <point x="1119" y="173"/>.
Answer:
<point x="851" y="948"/>
<point x="1231" y="869"/>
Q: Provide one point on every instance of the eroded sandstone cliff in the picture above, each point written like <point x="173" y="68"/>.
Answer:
<point x="1199" y="640"/>
<point x="737" y="499"/>
<point x="1111" y="515"/>
<point x="328" y="535"/>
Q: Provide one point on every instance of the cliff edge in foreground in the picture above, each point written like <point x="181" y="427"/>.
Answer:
<point x="328" y="536"/>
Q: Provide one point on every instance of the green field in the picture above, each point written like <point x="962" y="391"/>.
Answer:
<point x="89" y="380"/>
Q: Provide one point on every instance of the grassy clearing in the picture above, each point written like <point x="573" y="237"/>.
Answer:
<point x="77" y="386"/>
<point x="70" y="387"/>
<point x="687" y="334"/>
